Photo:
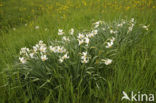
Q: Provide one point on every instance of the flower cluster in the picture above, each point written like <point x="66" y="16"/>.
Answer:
<point x="65" y="56"/>
<point x="85" y="38"/>
<point x="121" y="24"/>
<point x="60" y="50"/>
<point x="113" y="31"/>
<point x="57" y="49"/>
<point x="97" y="24"/>
<point x="64" y="38"/>
<point x="132" y="23"/>
<point x="38" y="51"/>
<point x="41" y="51"/>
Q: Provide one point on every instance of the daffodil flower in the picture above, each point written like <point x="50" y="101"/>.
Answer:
<point x="43" y="49"/>
<point x="31" y="55"/>
<point x="80" y="36"/>
<point x="44" y="57"/>
<point x="65" y="56"/>
<point x="87" y="41"/>
<point x="71" y="31"/>
<point x="22" y="60"/>
<point x="36" y="27"/>
<point x="60" y="32"/>
<point x="84" y="57"/>
<point x="80" y="42"/>
<point x="107" y="61"/>
<point x="145" y="27"/>
<point x="65" y="38"/>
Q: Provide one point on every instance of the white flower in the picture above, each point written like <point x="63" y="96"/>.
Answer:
<point x="65" y="38"/>
<point x="22" y="60"/>
<point x="107" y="61"/>
<point x="120" y="25"/>
<point x="113" y="39"/>
<point x="60" y="32"/>
<point x="44" y="57"/>
<point x="61" y="60"/>
<point x="80" y="36"/>
<point x="54" y="49"/>
<point x="132" y="25"/>
<point x="130" y="29"/>
<point x="31" y="55"/>
<point x="26" y="24"/>
<point x="145" y="27"/>
<point x="35" y="48"/>
<point x="111" y="31"/>
<point x="43" y="49"/>
<point x="109" y="44"/>
<point x="90" y="35"/>
<point x="84" y="38"/>
<point x="37" y="45"/>
<point x="61" y="49"/>
<point x="40" y="42"/>
<point x="57" y="49"/>
<point x="81" y="42"/>
<point x="24" y="51"/>
<point x="65" y="56"/>
<point x="95" y="32"/>
<point x="123" y="21"/>
<point x="85" y="61"/>
<point x="87" y="41"/>
<point x="37" y="27"/>
<point x="71" y="31"/>
<point x="51" y="48"/>
<point x="97" y="24"/>
<point x="132" y="19"/>
<point x="84" y="57"/>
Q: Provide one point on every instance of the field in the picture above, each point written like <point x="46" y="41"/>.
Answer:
<point x="25" y="22"/>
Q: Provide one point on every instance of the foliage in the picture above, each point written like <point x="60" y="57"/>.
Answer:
<point x="80" y="61"/>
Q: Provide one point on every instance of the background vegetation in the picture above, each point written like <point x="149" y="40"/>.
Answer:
<point x="134" y="70"/>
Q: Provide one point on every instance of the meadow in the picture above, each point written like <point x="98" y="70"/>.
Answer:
<point x="24" y="23"/>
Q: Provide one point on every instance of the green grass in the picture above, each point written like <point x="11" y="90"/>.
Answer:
<point x="134" y="70"/>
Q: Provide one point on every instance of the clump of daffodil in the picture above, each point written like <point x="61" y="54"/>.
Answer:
<point x="90" y="49"/>
<point x="85" y="57"/>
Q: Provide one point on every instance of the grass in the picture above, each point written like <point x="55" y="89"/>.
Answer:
<point x="133" y="71"/>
